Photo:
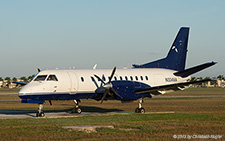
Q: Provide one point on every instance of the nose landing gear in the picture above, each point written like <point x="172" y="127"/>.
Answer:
<point x="40" y="113"/>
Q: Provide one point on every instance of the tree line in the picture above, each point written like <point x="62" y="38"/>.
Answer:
<point x="23" y="78"/>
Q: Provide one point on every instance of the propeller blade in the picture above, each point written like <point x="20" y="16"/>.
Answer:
<point x="99" y="79"/>
<point x="116" y="93"/>
<point x="113" y="72"/>
<point x="104" y="95"/>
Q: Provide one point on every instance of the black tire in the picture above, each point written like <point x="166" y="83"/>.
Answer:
<point x="73" y="110"/>
<point x="78" y="110"/>
<point x="40" y="114"/>
<point x="142" y="110"/>
<point x="137" y="110"/>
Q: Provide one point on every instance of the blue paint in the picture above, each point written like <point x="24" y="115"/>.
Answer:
<point x="59" y="96"/>
<point x="33" y="101"/>
<point x="176" y="58"/>
<point x="124" y="88"/>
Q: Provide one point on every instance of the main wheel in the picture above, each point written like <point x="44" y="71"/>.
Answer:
<point x="73" y="110"/>
<point x="137" y="110"/>
<point x="40" y="114"/>
<point x="142" y="110"/>
<point x="76" y="110"/>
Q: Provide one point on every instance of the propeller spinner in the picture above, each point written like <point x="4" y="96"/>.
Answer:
<point x="108" y="86"/>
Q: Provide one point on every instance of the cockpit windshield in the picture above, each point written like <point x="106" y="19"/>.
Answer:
<point x="52" y="78"/>
<point x="40" y="78"/>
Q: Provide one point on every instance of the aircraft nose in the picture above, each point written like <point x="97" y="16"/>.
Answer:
<point x="24" y="91"/>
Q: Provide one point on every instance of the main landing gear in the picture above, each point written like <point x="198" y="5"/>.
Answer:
<point x="140" y="109"/>
<point x="40" y="113"/>
<point x="76" y="109"/>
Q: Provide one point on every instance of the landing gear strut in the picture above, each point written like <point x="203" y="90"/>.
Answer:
<point x="40" y="113"/>
<point x="76" y="109"/>
<point x="140" y="109"/>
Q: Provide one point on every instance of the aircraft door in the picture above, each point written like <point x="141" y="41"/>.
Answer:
<point x="73" y="83"/>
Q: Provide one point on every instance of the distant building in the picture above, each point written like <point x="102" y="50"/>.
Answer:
<point x="1" y="83"/>
<point x="220" y="83"/>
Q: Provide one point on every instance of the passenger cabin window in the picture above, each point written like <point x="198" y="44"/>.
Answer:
<point x="126" y="78"/>
<point x="136" y="77"/>
<point x="52" y="78"/>
<point x="115" y="78"/>
<point x="146" y="77"/>
<point x="141" y="78"/>
<point x="92" y="79"/>
<point x="40" y="78"/>
<point x="131" y="78"/>
<point x="121" y="78"/>
<point x="82" y="79"/>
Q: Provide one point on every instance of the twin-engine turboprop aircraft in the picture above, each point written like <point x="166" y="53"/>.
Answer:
<point x="154" y="78"/>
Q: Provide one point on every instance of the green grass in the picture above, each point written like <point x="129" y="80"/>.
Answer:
<point x="133" y="126"/>
<point x="7" y="90"/>
<point x="193" y="116"/>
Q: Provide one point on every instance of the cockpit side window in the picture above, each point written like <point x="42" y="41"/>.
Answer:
<point x="52" y="78"/>
<point x="40" y="78"/>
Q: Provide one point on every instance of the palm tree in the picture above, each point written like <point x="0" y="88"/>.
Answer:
<point x="8" y="81"/>
<point x="23" y="78"/>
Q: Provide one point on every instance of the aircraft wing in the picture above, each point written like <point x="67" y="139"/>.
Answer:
<point x="159" y="89"/>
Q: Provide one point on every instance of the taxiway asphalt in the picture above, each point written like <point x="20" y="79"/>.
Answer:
<point x="7" y="114"/>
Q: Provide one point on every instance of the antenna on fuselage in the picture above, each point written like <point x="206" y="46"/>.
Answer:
<point x="95" y="66"/>
<point x="38" y="69"/>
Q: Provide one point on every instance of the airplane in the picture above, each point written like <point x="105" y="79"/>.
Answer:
<point x="141" y="81"/>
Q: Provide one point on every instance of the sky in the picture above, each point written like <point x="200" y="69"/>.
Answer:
<point x="69" y="34"/>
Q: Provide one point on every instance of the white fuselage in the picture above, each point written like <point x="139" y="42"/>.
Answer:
<point x="74" y="82"/>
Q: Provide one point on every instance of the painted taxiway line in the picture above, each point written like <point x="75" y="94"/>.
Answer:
<point x="6" y="114"/>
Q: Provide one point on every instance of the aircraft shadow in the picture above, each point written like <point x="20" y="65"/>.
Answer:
<point x="32" y="113"/>
<point x="16" y="113"/>
<point x="92" y="109"/>
<point x="98" y="109"/>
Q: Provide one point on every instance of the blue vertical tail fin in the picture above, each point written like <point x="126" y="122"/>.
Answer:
<point x="176" y="58"/>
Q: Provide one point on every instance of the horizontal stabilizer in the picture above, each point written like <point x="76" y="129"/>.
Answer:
<point x="21" y="83"/>
<point x="177" y="86"/>
<point x="190" y="71"/>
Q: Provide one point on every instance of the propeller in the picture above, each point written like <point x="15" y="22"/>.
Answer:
<point x="108" y="86"/>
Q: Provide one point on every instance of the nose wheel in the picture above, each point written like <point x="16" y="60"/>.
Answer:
<point x="140" y="109"/>
<point x="40" y="113"/>
<point x="76" y="109"/>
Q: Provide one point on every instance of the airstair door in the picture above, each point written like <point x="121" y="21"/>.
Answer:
<point x="73" y="82"/>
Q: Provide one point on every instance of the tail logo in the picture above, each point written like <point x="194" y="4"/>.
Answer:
<point x="180" y="42"/>
<point x="175" y="49"/>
